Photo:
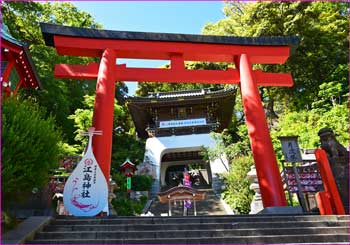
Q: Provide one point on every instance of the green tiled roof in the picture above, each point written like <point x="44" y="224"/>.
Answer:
<point x="5" y="34"/>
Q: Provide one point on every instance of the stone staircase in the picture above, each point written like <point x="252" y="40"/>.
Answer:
<point x="237" y="229"/>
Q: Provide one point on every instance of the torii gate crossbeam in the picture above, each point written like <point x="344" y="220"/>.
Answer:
<point x="178" y="48"/>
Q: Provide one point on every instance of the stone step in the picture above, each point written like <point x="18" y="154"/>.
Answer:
<point x="246" y="229"/>
<point x="271" y="239"/>
<point x="195" y="219"/>
<point x="190" y="233"/>
<point x="189" y="226"/>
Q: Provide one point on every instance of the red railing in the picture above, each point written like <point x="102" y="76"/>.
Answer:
<point x="329" y="201"/>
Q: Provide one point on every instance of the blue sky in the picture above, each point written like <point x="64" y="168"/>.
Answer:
<point x="186" y="17"/>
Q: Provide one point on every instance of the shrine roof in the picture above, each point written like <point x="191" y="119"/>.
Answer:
<point x="183" y="95"/>
<point x="50" y="30"/>
<point x="140" y="107"/>
<point x="5" y="34"/>
<point x="19" y="50"/>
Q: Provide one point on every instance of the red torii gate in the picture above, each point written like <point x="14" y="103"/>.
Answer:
<point x="243" y="52"/>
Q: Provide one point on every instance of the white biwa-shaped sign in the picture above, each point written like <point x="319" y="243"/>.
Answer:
<point x="86" y="191"/>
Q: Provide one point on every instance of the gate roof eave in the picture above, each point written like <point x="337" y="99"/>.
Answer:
<point x="49" y="30"/>
<point x="62" y="37"/>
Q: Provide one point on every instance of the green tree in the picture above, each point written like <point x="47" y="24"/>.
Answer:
<point x="60" y="97"/>
<point x="237" y="193"/>
<point x="82" y="118"/>
<point x="318" y="66"/>
<point x="306" y="125"/>
<point x="319" y="58"/>
<point x="31" y="146"/>
<point x="125" y="145"/>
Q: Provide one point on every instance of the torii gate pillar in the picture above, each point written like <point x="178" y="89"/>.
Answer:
<point x="264" y="156"/>
<point x="104" y="111"/>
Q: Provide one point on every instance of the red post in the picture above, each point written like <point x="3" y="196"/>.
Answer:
<point x="324" y="203"/>
<point x="329" y="183"/>
<point x="104" y="110"/>
<point x="264" y="156"/>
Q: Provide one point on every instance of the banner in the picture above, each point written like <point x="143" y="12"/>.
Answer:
<point x="182" y="123"/>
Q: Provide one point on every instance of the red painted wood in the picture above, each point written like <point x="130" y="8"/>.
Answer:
<point x="263" y="153"/>
<point x="10" y="46"/>
<point x="89" y="71"/>
<point x="104" y="111"/>
<point x="177" y="62"/>
<point x="169" y="75"/>
<point x="163" y="50"/>
<point x="231" y="76"/>
<point x="324" y="203"/>
<point x="19" y="84"/>
<point x="149" y="74"/>
<point x="8" y="69"/>
<point x="273" y="79"/>
<point x="22" y="66"/>
<point x="329" y="184"/>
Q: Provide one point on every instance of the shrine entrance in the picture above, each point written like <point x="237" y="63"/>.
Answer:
<point x="174" y="164"/>
<point x="178" y="48"/>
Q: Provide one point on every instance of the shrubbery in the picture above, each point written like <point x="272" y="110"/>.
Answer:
<point x="30" y="148"/>
<point x="141" y="182"/>
<point x="237" y="193"/>
<point x="123" y="204"/>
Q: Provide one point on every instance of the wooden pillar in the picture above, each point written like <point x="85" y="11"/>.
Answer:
<point x="104" y="111"/>
<point x="264" y="156"/>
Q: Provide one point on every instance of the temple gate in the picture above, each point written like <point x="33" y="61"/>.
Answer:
<point x="178" y="48"/>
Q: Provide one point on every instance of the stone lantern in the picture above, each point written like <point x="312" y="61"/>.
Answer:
<point x="256" y="205"/>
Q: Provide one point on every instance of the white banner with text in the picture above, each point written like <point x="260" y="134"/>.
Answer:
<point x="182" y="123"/>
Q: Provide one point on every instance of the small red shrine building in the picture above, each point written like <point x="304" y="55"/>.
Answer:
<point x="17" y="68"/>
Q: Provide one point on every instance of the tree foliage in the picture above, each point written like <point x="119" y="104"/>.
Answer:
<point x="123" y="204"/>
<point x="318" y="66"/>
<point x="83" y="118"/>
<point x="125" y="145"/>
<point x="306" y="125"/>
<point x="237" y="193"/>
<point x="30" y="148"/>
<point x="320" y="58"/>
<point x="60" y="97"/>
